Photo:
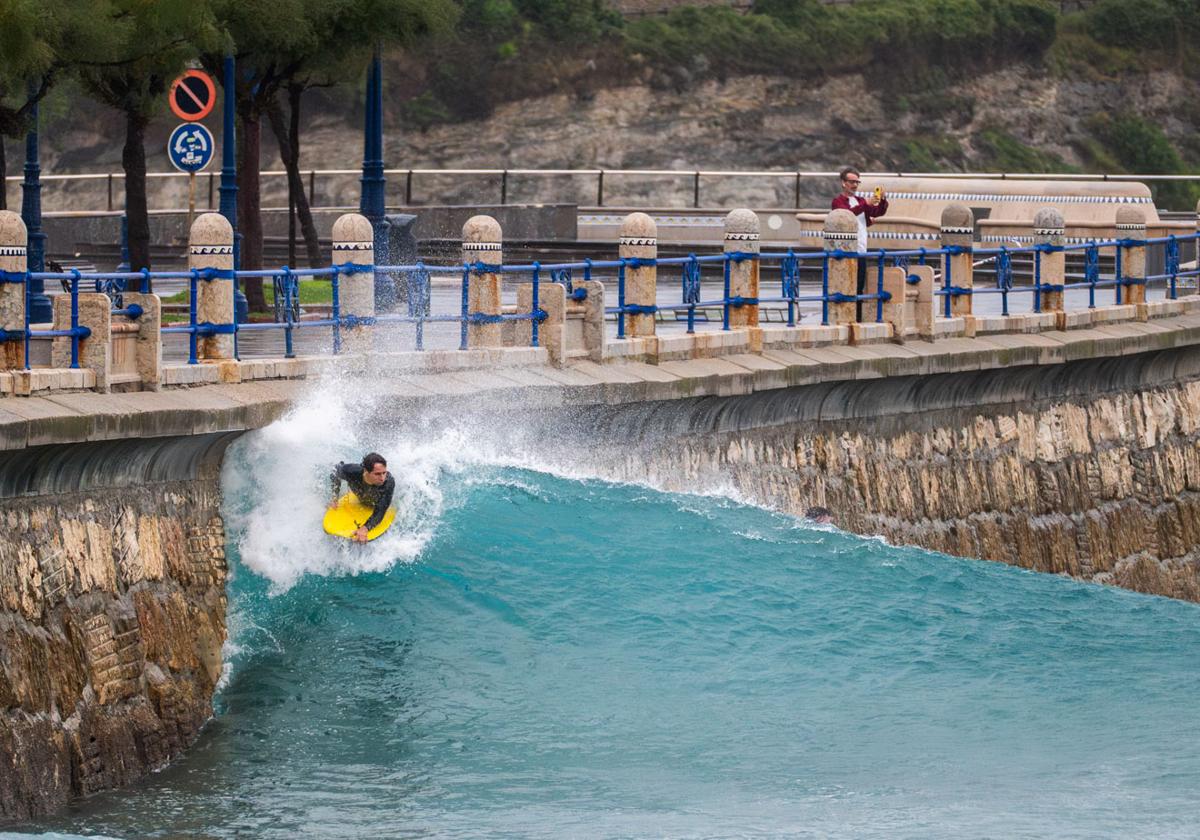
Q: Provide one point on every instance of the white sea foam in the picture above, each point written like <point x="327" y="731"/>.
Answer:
<point x="277" y="484"/>
<point x="276" y="479"/>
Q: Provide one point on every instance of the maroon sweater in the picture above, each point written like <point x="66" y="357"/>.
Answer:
<point x="842" y="202"/>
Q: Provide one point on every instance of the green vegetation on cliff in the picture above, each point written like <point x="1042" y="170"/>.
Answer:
<point x="504" y="50"/>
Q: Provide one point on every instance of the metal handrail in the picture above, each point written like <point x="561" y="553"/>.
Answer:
<point x="690" y="173"/>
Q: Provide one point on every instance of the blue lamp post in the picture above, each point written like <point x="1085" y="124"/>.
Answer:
<point x="229" y="189"/>
<point x="40" y="310"/>
<point x="374" y="186"/>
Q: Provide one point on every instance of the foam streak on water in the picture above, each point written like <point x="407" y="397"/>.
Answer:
<point x="534" y="655"/>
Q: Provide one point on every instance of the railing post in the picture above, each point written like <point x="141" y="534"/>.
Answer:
<point x="210" y="247"/>
<point x="1048" y="230"/>
<point x="354" y="244"/>
<point x="1195" y="249"/>
<point x="149" y="338"/>
<point x="895" y="285"/>
<point x="639" y="245"/>
<point x="841" y="234"/>
<point x="924" y="317"/>
<point x="95" y="347"/>
<point x="1131" y="233"/>
<point x="482" y="249"/>
<point x="14" y="263"/>
<point x="742" y="236"/>
<point x="552" y="302"/>
<point x="958" y="231"/>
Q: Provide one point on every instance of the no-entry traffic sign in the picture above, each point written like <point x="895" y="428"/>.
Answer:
<point x="193" y="95"/>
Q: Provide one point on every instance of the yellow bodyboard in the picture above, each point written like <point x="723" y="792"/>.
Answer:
<point x="349" y="513"/>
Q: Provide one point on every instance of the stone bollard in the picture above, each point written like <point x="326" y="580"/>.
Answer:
<point x="742" y="235"/>
<point x="95" y="351"/>
<point x="639" y="241"/>
<point x="841" y="234"/>
<point x="13" y="241"/>
<point x="149" y="338"/>
<point x="354" y="243"/>
<point x="958" y="231"/>
<point x="1131" y="227"/>
<point x="1048" y="229"/>
<point x="211" y="246"/>
<point x="482" y="243"/>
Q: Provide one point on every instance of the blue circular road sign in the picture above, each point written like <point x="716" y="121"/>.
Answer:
<point x="190" y="147"/>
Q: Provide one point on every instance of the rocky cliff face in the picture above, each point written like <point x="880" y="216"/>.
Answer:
<point x="112" y="617"/>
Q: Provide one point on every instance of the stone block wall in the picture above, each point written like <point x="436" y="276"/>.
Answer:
<point x="112" y="618"/>
<point x="1101" y="482"/>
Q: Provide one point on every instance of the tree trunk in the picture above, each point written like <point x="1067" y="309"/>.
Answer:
<point x="3" y="176"/>
<point x="249" y="207"/>
<point x="133" y="159"/>
<point x="289" y="145"/>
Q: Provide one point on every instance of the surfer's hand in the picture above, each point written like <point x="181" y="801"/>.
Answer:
<point x="361" y="534"/>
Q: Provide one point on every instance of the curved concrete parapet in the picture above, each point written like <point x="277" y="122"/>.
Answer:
<point x="917" y="460"/>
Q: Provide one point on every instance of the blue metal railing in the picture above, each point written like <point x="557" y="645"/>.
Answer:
<point x="418" y="279"/>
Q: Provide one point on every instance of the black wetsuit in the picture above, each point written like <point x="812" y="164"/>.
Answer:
<point x="378" y="497"/>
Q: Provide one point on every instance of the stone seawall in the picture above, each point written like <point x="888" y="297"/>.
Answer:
<point x="112" y="613"/>
<point x="1090" y="470"/>
<point x="1072" y="452"/>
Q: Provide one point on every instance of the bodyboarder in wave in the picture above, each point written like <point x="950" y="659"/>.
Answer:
<point x="370" y="481"/>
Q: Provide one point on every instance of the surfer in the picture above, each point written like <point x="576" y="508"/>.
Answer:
<point x="370" y="481"/>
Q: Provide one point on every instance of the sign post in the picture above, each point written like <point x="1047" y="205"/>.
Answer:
<point x="192" y="98"/>
<point x="190" y="150"/>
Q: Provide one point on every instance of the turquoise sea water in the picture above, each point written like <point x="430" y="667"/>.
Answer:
<point x="538" y="656"/>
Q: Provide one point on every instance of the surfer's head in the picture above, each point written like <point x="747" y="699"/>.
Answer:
<point x="374" y="468"/>
<point x="820" y="515"/>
